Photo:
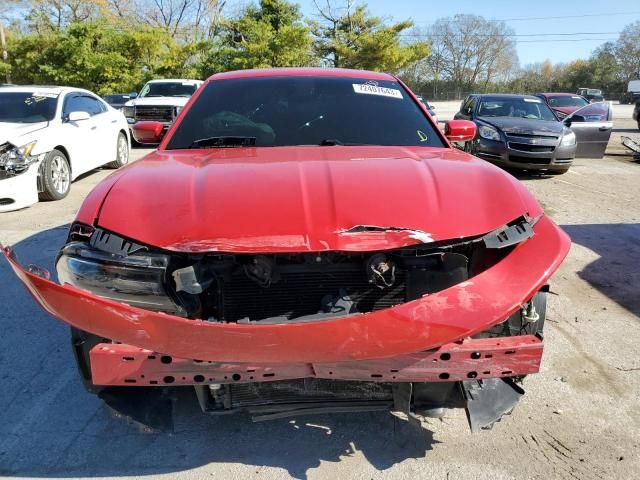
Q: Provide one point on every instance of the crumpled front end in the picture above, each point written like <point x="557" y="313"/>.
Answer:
<point x="434" y="325"/>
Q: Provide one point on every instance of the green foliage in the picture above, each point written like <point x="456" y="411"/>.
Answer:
<point x="359" y="40"/>
<point x="99" y="57"/>
<point x="270" y="35"/>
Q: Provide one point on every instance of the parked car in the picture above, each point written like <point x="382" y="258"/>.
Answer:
<point x="429" y="108"/>
<point x="51" y="135"/>
<point x="636" y="113"/>
<point x="309" y="240"/>
<point x="563" y="104"/>
<point x="632" y="94"/>
<point x="118" y="100"/>
<point x="520" y="131"/>
<point x="160" y="101"/>
<point x="592" y="95"/>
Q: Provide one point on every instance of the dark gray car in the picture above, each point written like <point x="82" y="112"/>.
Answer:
<point x="521" y="131"/>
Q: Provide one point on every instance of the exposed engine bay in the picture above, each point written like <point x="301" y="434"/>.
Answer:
<point x="275" y="288"/>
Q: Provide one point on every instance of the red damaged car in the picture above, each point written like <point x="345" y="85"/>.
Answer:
<point x="306" y="241"/>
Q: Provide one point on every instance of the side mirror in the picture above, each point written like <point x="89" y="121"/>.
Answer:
<point x="78" y="116"/>
<point x="133" y="95"/>
<point x="148" y="133"/>
<point x="460" y="130"/>
<point x="567" y="121"/>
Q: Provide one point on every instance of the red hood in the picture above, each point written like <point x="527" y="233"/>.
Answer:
<point x="566" y="110"/>
<point x="306" y="198"/>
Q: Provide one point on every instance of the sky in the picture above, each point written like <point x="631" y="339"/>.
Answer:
<point x="599" y="21"/>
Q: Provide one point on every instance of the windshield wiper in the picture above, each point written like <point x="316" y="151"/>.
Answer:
<point x="228" y="142"/>
<point x="330" y="142"/>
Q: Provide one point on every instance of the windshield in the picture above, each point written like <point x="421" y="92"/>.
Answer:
<point x="27" y="107"/>
<point x="288" y="110"/>
<point x="519" y="107"/>
<point x="169" y="89"/>
<point x="567" y="101"/>
<point x="110" y="99"/>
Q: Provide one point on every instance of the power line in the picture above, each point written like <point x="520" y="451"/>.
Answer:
<point x="520" y="19"/>
<point x="507" y="34"/>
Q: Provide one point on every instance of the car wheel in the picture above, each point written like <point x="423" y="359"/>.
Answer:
<point x="56" y="176"/>
<point x="557" y="172"/>
<point x="122" y="150"/>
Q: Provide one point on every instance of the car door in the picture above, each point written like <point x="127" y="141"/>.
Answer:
<point x="79" y="137"/>
<point x="592" y="125"/>
<point x="107" y="127"/>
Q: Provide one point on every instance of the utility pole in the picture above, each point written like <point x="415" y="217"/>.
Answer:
<point x="3" y="47"/>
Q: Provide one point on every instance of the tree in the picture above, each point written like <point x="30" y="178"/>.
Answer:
<point x="96" y="56"/>
<point x="473" y="50"/>
<point x="627" y="51"/>
<point x="351" y="37"/>
<point x="269" y="35"/>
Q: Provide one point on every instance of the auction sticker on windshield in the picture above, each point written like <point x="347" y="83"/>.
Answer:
<point x="368" y="89"/>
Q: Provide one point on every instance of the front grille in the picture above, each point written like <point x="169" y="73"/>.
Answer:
<point x="533" y="161"/>
<point x="301" y="293"/>
<point x="305" y="391"/>
<point x="527" y="147"/>
<point x="531" y="135"/>
<point x="157" y="114"/>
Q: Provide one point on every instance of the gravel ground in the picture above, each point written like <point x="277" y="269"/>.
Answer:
<point x="580" y="418"/>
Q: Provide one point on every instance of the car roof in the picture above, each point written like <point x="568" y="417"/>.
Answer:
<point x="174" y="80"/>
<point x="44" y="89"/>
<point x="303" y="72"/>
<point x="507" y="95"/>
<point x="558" y="94"/>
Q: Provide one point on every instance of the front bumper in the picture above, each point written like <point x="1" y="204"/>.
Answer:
<point x="448" y="316"/>
<point x="19" y="191"/>
<point x="501" y="153"/>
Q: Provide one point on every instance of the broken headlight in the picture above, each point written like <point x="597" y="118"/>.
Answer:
<point x="137" y="279"/>
<point x="16" y="160"/>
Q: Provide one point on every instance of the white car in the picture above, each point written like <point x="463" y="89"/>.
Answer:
<point x="160" y="101"/>
<point x="51" y="135"/>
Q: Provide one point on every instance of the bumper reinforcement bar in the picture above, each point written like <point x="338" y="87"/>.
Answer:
<point x="472" y="359"/>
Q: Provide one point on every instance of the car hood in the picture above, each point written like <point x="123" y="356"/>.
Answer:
<point x="159" y="101"/>
<point x="283" y="199"/>
<point x="18" y="133"/>
<point x="566" y="110"/>
<point x="524" y="125"/>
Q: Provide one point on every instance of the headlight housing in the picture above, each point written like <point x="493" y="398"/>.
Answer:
<point x="129" y="111"/>
<point x="16" y="160"/>
<point x="138" y="279"/>
<point x="489" y="133"/>
<point x="568" y="139"/>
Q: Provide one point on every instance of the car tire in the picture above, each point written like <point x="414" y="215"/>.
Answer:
<point x="82" y="342"/>
<point x="558" y="172"/>
<point x="55" y="174"/>
<point x="122" y="152"/>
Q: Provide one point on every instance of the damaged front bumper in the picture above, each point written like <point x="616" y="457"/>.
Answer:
<point x="425" y="342"/>
<point x="443" y="317"/>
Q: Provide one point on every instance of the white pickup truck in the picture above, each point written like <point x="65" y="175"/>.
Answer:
<point x="160" y="101"/>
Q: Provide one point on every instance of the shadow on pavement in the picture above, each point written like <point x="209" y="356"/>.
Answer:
<point x="616" y="273"/>
<point x="51" y="427"/>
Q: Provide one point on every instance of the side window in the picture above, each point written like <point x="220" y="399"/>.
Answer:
<point x="468" y="106"/>
<point x="83" y="103"/>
